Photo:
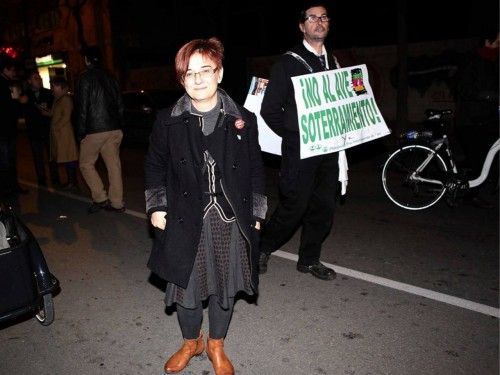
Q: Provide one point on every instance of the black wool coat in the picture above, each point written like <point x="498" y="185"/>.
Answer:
<point x="173" y="178"/>
<point x="279" y="110"/>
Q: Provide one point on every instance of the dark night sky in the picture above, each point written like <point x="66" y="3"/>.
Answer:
<point x="263" y="27"/>
<point x="154" y="31"/>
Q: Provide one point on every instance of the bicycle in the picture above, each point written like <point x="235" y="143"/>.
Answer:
<point x="423" y="171"/>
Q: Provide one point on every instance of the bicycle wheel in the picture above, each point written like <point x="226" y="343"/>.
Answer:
<point x="408" y="188"/>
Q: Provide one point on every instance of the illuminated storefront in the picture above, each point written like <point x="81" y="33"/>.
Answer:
<point x="50" y="66"/>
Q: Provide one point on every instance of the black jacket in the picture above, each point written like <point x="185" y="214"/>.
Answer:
<point x="173" y="175"/>
<point x="279" y="111"/>
<point x="477" y="93"/>
<point x="37" y="125"/>
<point x="98" y="102"/>
<point x="9" y="110"/>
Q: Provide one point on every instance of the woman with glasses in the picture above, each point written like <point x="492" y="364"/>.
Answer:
<point x="205" y="197"/>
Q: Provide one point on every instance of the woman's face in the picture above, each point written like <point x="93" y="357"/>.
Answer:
<point x="15" y="92"/>
<point x="56" y="90"/>
<point x="201" y="81"/>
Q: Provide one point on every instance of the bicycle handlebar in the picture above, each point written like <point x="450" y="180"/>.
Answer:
<point x="434" y="114"/>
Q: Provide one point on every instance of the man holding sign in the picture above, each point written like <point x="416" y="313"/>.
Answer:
<point x="308" y="187"/>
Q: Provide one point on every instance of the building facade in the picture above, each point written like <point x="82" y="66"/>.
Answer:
<point x="49" y="34"/>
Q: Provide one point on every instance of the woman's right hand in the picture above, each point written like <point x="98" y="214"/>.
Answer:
<point x="159" y="219"/>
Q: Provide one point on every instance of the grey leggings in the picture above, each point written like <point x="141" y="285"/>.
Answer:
<point x="190" y="319"/>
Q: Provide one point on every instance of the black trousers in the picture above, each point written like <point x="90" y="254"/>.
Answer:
<point x="307" y="199"/>
<point x="40" y="151"/>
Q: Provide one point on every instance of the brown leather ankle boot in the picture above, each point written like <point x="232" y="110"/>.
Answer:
<point x="181" y="358"/>
<point x="215" y="351"/>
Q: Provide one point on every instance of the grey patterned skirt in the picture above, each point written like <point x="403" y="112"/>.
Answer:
<point x="221" y="266"/>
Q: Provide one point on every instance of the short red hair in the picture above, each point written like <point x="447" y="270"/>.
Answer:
<point x="211" y="49"/>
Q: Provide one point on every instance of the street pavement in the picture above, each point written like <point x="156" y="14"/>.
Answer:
<point x="416" y="292"/>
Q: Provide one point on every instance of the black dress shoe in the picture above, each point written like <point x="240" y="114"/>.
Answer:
<point x="318" y="270"/>
<point x="98" y="206"/>
<point x="263" y="259"/>
<point x="114" y="209"/>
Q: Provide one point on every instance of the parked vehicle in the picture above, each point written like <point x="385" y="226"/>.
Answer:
<point x="26" y="284"/>
<point x="141" y="108"/>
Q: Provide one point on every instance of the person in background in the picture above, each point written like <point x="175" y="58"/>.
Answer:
<point x="9" y="114"/>
<point x="308" y="187"/>
<point x="477" y="114"/>
<point x="205" y="196"/>
<point x="36" y="105"/>
<point x="99" y="119"/>
<point x="62" y="137"/>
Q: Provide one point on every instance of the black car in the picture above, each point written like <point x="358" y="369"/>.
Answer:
<point x="141" y="107"/>
<point x="26" y="283"/>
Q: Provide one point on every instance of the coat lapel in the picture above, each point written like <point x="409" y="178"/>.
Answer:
<point x="195" y="141"/>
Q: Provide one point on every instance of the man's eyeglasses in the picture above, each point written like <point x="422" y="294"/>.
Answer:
<point x="205" y="74"/>
<point x="314" y="19"/>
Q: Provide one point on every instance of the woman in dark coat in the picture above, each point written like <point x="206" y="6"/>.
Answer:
<point x="205" y="196"/>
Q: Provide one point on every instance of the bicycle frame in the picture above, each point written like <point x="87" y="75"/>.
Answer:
<point x="443" y="141"/>
<point x="486" y="165"/>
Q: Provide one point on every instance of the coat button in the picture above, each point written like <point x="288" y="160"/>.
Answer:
<point x="182" y="161"/>
<point x="186" y="121"/>
<point x="180" y="220"/>
<point x="245" y="199"/>
<point x="185" y="193"/>
<point x="235" y="166"/>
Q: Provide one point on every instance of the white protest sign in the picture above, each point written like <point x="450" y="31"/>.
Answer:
<point x="268" y="140"/>
<point x="336" y="110"/>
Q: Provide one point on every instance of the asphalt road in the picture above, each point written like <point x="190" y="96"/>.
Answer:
<point x="416" y="292"/>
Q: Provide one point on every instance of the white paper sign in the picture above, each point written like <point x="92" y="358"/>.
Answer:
<point x="268" y="140"/>
<point x="336" y="110"/>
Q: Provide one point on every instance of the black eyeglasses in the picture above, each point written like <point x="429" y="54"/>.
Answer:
<point x="314" y="19"/>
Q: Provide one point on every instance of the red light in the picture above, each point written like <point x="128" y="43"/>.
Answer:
<point x="9" y="51"/>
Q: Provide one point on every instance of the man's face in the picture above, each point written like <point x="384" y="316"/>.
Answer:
<point x="9" y="72"/>
<point x="35" y="81"/>
<point x="316" y="30"/>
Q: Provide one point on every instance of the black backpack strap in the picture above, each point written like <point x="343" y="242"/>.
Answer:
<point x="335" y="61"/>
<point x="300" y="59"/>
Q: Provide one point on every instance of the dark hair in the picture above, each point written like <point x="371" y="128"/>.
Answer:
<point x="6" y="62"/>
<point x="59" y="81"/>
<point x="16" y="83"/>
<point x="93" y="54"/>
<point x="31" y="73"/>
<point x="211" y="48"/>
<point x="308" y="5"/>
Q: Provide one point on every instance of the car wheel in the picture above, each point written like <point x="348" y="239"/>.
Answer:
<point x="45" y="313"/>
